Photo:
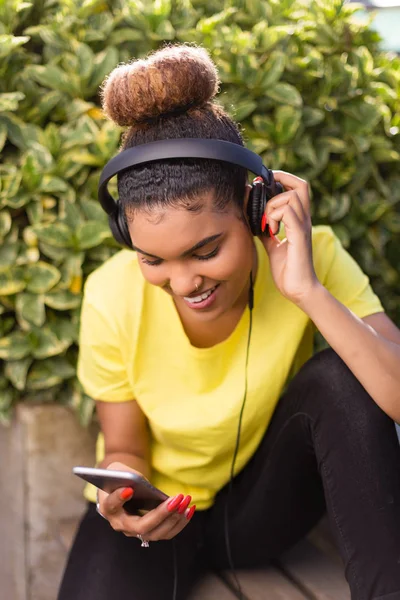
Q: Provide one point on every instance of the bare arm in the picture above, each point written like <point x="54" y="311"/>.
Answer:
<point x="370" y="347"/>
<point x="126" y="435"/>
<point x="127" y="446"/>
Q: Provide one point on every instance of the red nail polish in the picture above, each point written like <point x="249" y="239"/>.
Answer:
<point x="127" y="494"/>
<point x="271" y="234"/>
<point x="184" y="504"/>
<point x="172" y="504"/>
<point x="191" y="512"/>
<point x="263" y="222"/>
<point x="258" y="179"/>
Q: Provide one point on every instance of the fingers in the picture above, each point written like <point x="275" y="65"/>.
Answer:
<point x="164" y="522"/>
<point x="292" y="182"/>
<point x="164" y="516"/>
<point x="177" y="528"/>
<point x="274" y="209"/>
<point x="112" y="504"/>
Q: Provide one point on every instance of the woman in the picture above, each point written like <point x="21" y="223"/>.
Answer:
<point x="169" y="349"/>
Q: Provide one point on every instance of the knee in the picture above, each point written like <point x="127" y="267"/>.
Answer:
<point x="335" y="392"/>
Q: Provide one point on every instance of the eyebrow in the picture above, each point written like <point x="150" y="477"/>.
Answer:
<point x="204" y="242"/>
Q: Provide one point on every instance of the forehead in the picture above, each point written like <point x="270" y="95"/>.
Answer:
<point x="170" y="231"/>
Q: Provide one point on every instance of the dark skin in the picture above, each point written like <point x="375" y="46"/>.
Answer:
<point x="370" y="346"/>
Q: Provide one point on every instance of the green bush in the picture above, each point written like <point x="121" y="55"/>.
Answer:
<point x="310" y="86"/>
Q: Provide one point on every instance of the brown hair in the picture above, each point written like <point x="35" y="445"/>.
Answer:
<point x="170" y="95"/>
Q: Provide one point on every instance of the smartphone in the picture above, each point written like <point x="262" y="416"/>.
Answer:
<point x="145" y="497"/>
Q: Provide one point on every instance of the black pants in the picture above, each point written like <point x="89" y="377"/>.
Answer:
<point x="328" y="447"/>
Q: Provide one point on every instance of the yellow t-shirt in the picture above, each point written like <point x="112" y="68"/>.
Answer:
<point x="133" y="346"/>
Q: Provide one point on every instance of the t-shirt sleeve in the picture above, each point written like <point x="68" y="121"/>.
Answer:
<point x="101" y="366"/>
<point x="342" y="276"/>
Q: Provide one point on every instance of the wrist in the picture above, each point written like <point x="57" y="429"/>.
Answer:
<point x="310" y="302"/>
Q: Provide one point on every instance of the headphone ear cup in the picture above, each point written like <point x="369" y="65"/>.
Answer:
<point x="119" y="227"/>
<point x="256" y="206"/>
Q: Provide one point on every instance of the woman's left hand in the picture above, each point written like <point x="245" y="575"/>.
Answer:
<point x="291" y="259"/>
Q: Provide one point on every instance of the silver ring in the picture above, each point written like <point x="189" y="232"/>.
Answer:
<point x="197" y="287"/>
<point x="99" y="511"/>
<point x="98" y="505"/>
<point x="145" y="543"/>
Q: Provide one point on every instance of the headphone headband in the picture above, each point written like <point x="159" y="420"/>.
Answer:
<point x="182" y="148"/>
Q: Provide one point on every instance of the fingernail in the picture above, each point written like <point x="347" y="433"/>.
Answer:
<point x="185" y="503"/>
<point x="172" y="504"/>
<point x="127" y="493"/>
<point x="263" y="222"/>
<point x="271" y="234"/>
<point x="191" y="512"/>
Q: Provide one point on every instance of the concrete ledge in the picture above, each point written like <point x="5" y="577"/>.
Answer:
<point x="39" y="491"/>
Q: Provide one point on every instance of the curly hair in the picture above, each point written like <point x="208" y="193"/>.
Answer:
<point x="169" y="94"/>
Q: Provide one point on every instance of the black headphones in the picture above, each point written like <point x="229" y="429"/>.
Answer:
<point x="264" y="186"/>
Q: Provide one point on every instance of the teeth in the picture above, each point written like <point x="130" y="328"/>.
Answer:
<point x="201" y="297"/>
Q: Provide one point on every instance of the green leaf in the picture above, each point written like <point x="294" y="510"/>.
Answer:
<point x="272" y="70"/>
<point x="52" y="77"/>
<point x="287" y="121"/>
<point x="60" y="365"/>
<point x="11" y="281"/>
<point x="335" y="145"/>
<point x="41" y="377"/>
<point x="7" y="324"/>
<point x="8" y="43"/>
<point x="312" y="116"/>
<point x="16" y="371"/>
<point x="285" y="93"/>
<point x="20" y="134"/>
<point x="105" y="61"/>
<point x="15" y="346"/>
<point x="8" y="257"/>
<point x="31" y="174"/>
<point x="86" y="409"/>
<point x="5" y="223"/>
<point x="273" y="35"/>
<point x="6" y="400"/>
<point x="3" y="135"/>
<point x="63" y="300"/>
<point x="10" y="101"/>
<point x="85" y="58"/>
<point x="91" y="233"/>
<point x="41" y="277"/>
<point x="46" y="343"/>
<point x="54" y="234"/>
<point x="244" y="108"/>
<point x="10" y="180"/>
<point x="30" y="308"/>
<point x="264" y="126"/>
<point x="93" y="211"/>
<point x="53" y="185"/>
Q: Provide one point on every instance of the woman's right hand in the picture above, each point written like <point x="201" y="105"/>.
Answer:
<point x="161" y="523"/>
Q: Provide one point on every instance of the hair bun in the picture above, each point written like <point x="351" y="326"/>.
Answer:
<point x="174" y="78"/>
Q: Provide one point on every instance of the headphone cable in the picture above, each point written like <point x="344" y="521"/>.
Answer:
<point x="226" y="516"/>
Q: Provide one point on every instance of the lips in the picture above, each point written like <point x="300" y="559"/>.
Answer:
<point x="200" y="297"/>
<point x="202" y="301"/>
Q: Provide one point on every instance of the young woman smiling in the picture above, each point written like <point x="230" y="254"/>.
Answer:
<point x="169" y="349"/>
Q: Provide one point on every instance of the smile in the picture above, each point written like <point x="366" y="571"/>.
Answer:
<point x="200" y="297"/>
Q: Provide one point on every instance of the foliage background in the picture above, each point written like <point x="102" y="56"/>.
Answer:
<point x="309" y="84"/>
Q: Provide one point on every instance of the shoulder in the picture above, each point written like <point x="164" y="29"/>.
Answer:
<point x="115" y="280"/>
<point x="323" y="235"/>
<point x="325" y="245"/>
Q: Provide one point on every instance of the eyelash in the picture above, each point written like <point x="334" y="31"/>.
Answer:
<point x="155" y="263"/>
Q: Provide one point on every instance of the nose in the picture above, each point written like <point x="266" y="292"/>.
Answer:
<point x="183" y="282"/>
